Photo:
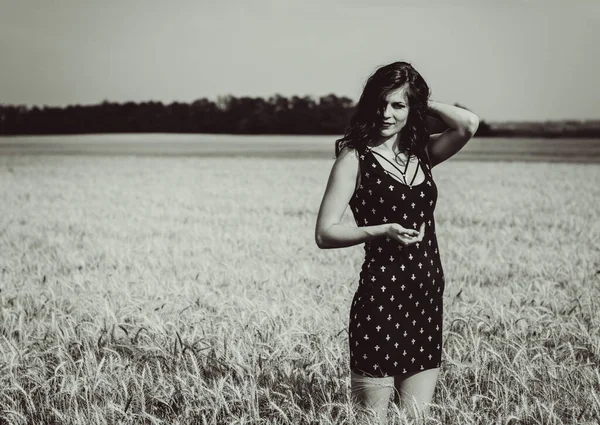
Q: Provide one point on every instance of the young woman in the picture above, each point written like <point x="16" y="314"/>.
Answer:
<point x="383" y="171"/>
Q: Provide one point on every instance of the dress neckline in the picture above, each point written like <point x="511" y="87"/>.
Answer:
<point x="395" y="178"/>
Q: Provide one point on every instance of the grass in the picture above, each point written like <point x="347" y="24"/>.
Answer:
<point x="190" y="290"/>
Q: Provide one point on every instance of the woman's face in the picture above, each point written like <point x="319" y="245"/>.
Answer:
<point x="395" y="112"/>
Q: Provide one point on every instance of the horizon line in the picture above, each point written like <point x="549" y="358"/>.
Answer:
<point x="315" y="97"/>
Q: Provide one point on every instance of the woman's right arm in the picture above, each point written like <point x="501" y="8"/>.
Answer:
<point x="329" y="233"/>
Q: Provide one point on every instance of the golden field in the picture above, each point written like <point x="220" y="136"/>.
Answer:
<point x="184" y="290"/>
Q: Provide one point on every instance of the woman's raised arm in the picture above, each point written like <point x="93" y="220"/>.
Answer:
<point x="463" y="125"/>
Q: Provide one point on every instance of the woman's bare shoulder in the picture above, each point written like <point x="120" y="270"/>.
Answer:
<point x="348" y="160"/>
<point x="347" y="164"/>
<point x="348" y="154"/>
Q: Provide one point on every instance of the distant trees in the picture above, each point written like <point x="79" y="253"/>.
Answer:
<point x="237" y="115"/>
<point x="229" y="114"/>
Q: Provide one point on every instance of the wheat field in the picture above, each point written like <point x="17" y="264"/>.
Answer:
<point x="190" y="290"/>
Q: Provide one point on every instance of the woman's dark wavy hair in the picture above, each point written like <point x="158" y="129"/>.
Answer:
<point x="365" y="123"/>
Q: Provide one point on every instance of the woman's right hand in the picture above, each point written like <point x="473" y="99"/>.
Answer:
<point x="405" y="236"/>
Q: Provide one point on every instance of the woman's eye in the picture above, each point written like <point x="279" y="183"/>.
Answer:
<point x="399" y="106"/>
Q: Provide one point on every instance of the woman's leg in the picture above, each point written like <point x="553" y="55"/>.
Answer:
<point x="372" y="393"/>
<point x="415" y="391"/>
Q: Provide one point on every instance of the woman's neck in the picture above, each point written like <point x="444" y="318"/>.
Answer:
<point x="391" y="144"/>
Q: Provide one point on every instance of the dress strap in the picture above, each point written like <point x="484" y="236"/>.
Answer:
<point x="427" y="160"/>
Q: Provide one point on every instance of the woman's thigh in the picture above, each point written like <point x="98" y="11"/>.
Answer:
<point x="371" y="392"/>
<point x="416" y="388"/>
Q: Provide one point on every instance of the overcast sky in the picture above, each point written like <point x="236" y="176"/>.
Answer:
<point x="504" y="59"/>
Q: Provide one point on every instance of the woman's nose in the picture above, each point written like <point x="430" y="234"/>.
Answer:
<point x="387" y="112"/>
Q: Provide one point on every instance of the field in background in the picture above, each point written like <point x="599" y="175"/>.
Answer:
<point x="313" y="147"/>
<point x="191" y="289"/>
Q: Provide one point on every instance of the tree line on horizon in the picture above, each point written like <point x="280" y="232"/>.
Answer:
<point x="235" y="115"/>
